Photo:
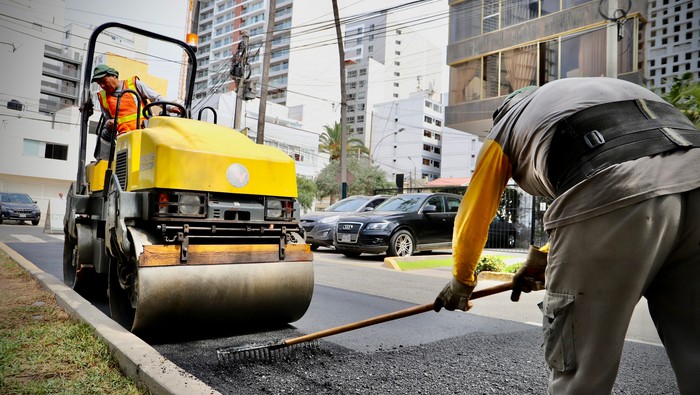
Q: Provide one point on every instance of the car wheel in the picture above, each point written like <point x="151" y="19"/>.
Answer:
<point x="401" y="244"/>
<point x="511" y="241"/>
<point x="350" y="254"/>
<point x="35" y="222"/>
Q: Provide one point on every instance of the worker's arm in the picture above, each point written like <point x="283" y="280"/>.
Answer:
<point x="152" y="95"/>
<point x="148" y="92"/>
<point x="477" y="210"/>
<point x="530" y="277"/>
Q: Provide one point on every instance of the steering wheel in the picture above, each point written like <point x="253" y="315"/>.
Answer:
<point x="147" y="113"/>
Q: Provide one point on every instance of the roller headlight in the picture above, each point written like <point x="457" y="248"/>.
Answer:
<point x="189" y="204"/>
<point x="280" y="209"/>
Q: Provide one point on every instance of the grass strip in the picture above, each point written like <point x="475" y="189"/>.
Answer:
<point x="45" y="351"/>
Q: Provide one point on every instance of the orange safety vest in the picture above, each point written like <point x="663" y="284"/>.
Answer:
<point x="126" y="121"/>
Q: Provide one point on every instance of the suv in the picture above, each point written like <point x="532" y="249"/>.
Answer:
<point x="18" y="207"/>
<point x="319" y="226"/>
<point x="401" y="226"/>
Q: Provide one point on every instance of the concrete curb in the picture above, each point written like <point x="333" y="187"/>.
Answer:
<point x="393" y="263"/>
<point x="137" y="359"/>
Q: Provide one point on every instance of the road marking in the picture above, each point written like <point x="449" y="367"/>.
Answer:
<point x="59" y="237"/>
<point x="28" y="239"/>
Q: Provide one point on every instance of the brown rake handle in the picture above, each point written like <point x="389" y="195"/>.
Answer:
<point x="390" y="316"/>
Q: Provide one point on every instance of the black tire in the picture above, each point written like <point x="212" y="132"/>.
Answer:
<point x="85" y="281"/>
<point x="510" y="242"/>
<point x="401" y="243"/>
<point x="119" y="299"/>
<point x="35" y="222"/>
<point x="348" y="253"/>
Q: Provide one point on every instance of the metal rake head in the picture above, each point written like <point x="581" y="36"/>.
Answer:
<point x="260" y="352"/>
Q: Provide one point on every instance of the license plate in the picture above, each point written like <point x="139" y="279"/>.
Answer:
<point x="23" y="215"/>
<point x="345" y="238"/>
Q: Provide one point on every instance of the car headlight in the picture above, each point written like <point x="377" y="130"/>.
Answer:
<point x="377" y="225"/>
<point x="329" y="220"/>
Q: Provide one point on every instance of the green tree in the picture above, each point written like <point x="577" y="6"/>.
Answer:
<point x="685" y="95"/>
<point x="330" y="141"/>
<point x="306" y="190"/>
<point x="364" y="180"/>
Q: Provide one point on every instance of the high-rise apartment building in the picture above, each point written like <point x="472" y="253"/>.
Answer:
<point x="385" y="60"/>
<point x="672" y="34"/>
<point x="221" y="25"/>
<point x="498" y="46"/>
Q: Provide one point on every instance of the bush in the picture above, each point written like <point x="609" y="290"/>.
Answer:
<point x="490" y="264"/>
<point x="513" y="268"/>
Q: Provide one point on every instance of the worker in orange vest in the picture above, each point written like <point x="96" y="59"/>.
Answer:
<point x="108" y="79"/>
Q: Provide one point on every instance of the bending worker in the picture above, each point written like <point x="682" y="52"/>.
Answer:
<point x="623" y="168"/>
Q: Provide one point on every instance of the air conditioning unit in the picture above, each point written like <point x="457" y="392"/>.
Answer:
<point x="15" y="104"/>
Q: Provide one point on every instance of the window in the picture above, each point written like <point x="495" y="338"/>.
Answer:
<point x="397" y="52"/>
<point x="397" y="74"/>
<point x="491" y="15"/>
<point x="43" y="149"/>
<point x="396" y="84"/>
<point x="370" y="48"/>
<point x="427" y="133"/>
<point x="363" y="71"/>
<point x="360" y="118"/>
<point x="352" y="73"/>
<point x="398" y="42"/>
<point x="591" y="45"/>
<point x="519" y="11"/>
<point x="397" y="63"/>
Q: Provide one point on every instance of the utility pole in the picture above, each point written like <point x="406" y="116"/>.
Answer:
<point x="271" y="9"/>
<point x="343" y="106"/>
<point x="240" y="71"/>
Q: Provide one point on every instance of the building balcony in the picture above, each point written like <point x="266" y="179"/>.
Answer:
<point x="61" y="72"/>
<point x="66" y="92"/>
<point x="71" y="57"/>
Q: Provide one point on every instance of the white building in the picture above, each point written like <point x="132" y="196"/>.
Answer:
<point x="406" y="138"/>
<point x="386" y="61"/>
<point x="38" y="92"/>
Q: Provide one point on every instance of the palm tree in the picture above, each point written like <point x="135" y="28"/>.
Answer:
<point x="330" y="142"/>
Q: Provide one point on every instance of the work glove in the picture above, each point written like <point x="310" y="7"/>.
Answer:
<point x="455" y="295"/>
<point x="530" y="277"/>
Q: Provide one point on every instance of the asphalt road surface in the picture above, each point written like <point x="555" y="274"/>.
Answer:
<point x="493" y="349"/>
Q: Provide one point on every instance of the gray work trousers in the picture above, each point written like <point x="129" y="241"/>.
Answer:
<point x="600" y="268"/>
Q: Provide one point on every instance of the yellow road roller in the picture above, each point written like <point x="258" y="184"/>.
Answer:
<point x="186" y="223"/>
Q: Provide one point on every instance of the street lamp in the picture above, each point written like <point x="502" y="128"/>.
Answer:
<point x="380" y="141"/>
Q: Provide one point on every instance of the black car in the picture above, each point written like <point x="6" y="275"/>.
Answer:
<point x="319" y="226"/>
<point x="18" y="207"/>
<point x="502" y="234"/>
<point x="401" y="226"/>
